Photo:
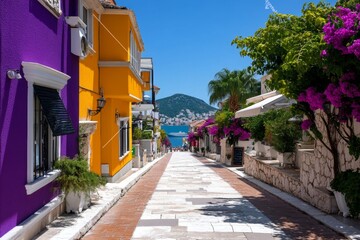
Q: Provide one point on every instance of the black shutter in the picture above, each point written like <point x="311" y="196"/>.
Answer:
<point x="54" y="110"/>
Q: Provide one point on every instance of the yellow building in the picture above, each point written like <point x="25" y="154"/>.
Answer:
<point x="110" y="71"/>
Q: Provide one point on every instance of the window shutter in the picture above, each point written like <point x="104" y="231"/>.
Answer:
<point x="54" y="110"/>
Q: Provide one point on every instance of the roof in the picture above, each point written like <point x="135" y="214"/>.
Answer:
<point x="197" y="123"/>
<point x="111" y="4"/>
<point x="277" y="101"/>
<point x="261" y="97"/>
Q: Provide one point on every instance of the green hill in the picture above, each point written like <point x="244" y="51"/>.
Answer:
<point x="177" y="103"/>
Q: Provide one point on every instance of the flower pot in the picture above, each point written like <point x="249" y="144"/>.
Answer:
<point x="76" y="202"/>
<point x="340" y="200"/>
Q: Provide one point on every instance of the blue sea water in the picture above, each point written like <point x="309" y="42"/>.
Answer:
<point x="175" y="141"/>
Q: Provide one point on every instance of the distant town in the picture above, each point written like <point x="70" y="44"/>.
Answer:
<point x="184" y="117"/>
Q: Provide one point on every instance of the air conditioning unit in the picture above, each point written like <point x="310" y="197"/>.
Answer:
<point x="79" y="43"/>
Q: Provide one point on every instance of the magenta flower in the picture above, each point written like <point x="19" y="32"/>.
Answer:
<point x="323" y="53"/>
<point x="334" y="94"/>
<point x="306" y="124"/>
<point x="213" y="130"/>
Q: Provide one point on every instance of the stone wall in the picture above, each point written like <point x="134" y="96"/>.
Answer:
<point x="272" y="175"/>
<point x="299" y="183"/>
<point x="315" y="172"/>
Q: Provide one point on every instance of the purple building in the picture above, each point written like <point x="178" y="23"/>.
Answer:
<point x="39" y="110"/>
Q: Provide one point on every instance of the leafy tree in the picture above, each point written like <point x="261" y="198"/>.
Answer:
<point x="314" y="58"/>
<point x="233" y="87"/>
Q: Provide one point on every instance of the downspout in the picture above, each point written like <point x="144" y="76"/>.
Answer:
<point x="153" y="95"/>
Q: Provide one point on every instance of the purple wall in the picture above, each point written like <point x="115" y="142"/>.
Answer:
<point x="29" y="32"/>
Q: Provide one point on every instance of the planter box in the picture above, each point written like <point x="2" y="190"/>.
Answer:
<point x="340" y="200"/>
<point x="286" y="158"/>
<point x="77" y="202"/>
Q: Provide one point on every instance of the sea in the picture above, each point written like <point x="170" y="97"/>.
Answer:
<point x="175" y="141"/>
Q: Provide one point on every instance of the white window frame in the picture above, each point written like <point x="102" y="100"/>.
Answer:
<point x="41" y="75"/>
<point x="89" y="21"/>
<point x="53" y="6"/>
<point x="53" y="142"/>
<point x="135" y="54"/>
<point x="124" y="120"/>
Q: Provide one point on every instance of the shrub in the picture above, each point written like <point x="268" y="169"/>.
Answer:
<point x="76" y="177"/>
<point x="348" y="183"/>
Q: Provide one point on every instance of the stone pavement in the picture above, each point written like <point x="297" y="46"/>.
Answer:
<point x="195" y="198"/>
<point x="182" y="196"/>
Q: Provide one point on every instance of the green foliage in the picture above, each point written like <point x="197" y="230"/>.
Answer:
<point x="146" y="134"/>
<point x="76" y="177"/>
<point x="163" y="134"/>
<point x="289" y="48"/>
<point x="137" y="133"/>
<point x="223" y="118"/>
<point x="354" y="147"/>
<point x="348" y="183"/>
<point x="284" y="134"/>
<point x="274" y="127"/>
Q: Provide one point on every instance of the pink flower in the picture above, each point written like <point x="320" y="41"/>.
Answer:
<point x="323" y="53"/>
<point x="334" y="94"/>
<point x="306" y="124"/>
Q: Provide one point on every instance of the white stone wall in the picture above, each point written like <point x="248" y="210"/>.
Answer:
<point x="296" y="182"/>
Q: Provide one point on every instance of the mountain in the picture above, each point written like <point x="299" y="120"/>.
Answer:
<point x="183" y="106"/>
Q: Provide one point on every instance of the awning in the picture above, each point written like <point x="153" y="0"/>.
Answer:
<point x="273" y="102"/>
<point x="142" y="107"/>
<point x="54" y="110"/>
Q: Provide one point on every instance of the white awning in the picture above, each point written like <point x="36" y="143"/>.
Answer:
<point x="142" y="107"/>
<point x="277" y="101"/>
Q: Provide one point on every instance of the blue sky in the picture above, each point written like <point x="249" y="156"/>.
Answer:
<point x="190" y="40"/>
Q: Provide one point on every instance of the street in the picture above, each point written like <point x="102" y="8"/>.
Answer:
<point x="189" y="197"/>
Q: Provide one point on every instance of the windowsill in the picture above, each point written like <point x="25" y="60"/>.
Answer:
<point x="123" y="156"/>
<point x="41" y="182"/>
<point x="51" y="8"/>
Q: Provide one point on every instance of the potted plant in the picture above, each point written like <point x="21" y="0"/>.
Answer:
<point x="77" y="182"/>
<point x="346" y="186"/>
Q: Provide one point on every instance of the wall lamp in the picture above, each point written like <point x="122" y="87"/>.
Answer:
<point x="100" y="104"/>
<point x="14" y="74"/>
<point x="117" y="114"/>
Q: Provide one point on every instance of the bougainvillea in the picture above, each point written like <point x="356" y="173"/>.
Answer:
<point x="233" y="132"/>
<point x="341" y="30"/>
<point x="306" y="124"/>
<point x="165" y="141"/>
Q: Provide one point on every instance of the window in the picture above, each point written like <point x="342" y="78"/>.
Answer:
<point x="85" y="13"/>
<point x="47" y="118"/>
<point x="124" y="136"/>
<point x="54" y="6"/>
<point x="46" y="146"/>
<point x="135" y="54"/>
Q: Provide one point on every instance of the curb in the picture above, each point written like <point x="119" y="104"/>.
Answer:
<point x="80" y="224"/>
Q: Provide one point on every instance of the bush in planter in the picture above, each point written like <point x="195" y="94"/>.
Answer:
<point x="284" y="134"/>
<point x="348" y="183"/>
<point x="137" y="133"/>
<point x="76" y="177"/>
<point x="146" y="134"/>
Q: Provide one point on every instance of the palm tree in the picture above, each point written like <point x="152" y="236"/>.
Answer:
<point x="233" y="87"/>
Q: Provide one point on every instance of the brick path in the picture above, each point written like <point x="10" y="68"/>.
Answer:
<point x="120" y="222"/>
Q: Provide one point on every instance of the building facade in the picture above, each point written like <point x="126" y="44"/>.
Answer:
<point x="110" y="71"/>
<point x="39" y="108"/>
